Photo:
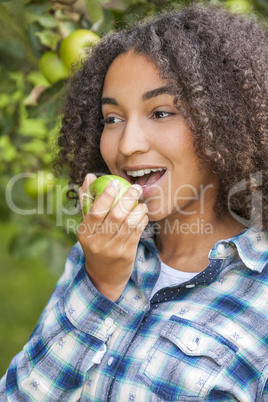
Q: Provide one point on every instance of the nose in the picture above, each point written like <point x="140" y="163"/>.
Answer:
<point x="133" y="139"/>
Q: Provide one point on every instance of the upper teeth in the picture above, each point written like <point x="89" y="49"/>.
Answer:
<point x="142" y="172"/>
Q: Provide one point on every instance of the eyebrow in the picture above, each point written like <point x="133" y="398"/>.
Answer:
<point x="146" y="96"/>
<point x="158" y="91"/>
<point x="109" y="101"/>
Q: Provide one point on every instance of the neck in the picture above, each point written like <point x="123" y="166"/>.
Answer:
<point x="181" y="240"/>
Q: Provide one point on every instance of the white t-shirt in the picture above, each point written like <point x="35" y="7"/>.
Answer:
<point x="170" y="277"/>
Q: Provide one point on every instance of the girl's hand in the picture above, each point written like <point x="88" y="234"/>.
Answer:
<point x="110" y="239"/>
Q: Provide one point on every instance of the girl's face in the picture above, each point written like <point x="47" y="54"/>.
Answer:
<point x="146" y="140"/>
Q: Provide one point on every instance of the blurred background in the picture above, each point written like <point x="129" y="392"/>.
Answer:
<point x="39" y="41"/>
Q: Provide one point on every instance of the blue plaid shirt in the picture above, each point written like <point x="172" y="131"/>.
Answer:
<point x="203" y="340"/>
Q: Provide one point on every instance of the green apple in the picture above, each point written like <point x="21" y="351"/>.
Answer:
<point x="97" y="187"/>
<point x="73" y="47"/>
<point x="52" y="67"/>
<point x="39" y="183"/>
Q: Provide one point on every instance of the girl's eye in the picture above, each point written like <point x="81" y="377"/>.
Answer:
<point x="160" y="114"/>
<point x="110" y="120"/>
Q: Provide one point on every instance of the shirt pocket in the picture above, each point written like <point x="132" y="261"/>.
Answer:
<point x="185" y="361"/>
<point x="59" y="363"/>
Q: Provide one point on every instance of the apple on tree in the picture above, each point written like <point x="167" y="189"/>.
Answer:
<point x="39" y="184"/>
<point x="52" y="67"/>
<point x="98" y="186"/>
<point x="73" y="47"/>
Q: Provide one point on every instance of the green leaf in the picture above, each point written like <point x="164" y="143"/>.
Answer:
<point x="16" y="11"/>
<point x="11" y="47"/>
<point x="37" y="78"/>
<point x="45" y="20"/>
<point x="67" y="27"/>
<point x="48" y="21"/>
<point x="33" y="127"/>
<point x="261" y="6"/>
<point x="39" y="9"/>
<point x="36" y="45"/>
<point x="95" y="11"/>
<point x="7" y="124"/>
<point x="49" y="38"/>
<point x="4" y="15"/>
<point x="35" y="146"/>
<point x="4" y="100"/>
<point x="18" y="77"/>
<point x="7" y="150"/>
<point x="46" y="108"/>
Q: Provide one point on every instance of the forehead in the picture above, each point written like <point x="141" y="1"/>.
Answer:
<point x="132" y="70"/>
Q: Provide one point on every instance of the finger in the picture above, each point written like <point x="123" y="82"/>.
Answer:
<point x="95" y="218"/>
<point x="109" y="226"/>
<point x="132" y="220"/>
<point x="136" y="233"/>
<point x="125" y="204"/>
<point x="104" y="202"/>
<point x="90" y="177"/>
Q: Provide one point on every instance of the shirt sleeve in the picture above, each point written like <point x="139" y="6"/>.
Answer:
<point x="69" y="339"/>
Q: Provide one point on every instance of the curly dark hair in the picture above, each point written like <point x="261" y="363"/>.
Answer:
<point x="217" y="62"/>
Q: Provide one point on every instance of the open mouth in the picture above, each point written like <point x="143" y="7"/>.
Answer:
<point x="145" y="177"/>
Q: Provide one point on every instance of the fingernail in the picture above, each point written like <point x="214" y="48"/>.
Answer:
<point x="137" y="187"/>
<point x="90" y="175"/>
<point x="145" y="208"/>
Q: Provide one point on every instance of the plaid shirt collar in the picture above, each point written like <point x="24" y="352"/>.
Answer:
<point x="251" y="245"/>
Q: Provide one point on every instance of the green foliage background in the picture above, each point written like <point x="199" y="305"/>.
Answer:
<point x="34" y="246"/>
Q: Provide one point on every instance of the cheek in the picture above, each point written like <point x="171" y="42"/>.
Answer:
<point x="107" y="150"/>
<point x="103" y="147"/>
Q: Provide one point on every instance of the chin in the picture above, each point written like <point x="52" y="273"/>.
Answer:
<point x="156" y="216"/>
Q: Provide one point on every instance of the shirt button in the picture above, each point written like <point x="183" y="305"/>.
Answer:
<point x="110" y="361"/>
<point x="192" y="346"/>
<point x="221" y="249"/>
<point x="108" y="322"/>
